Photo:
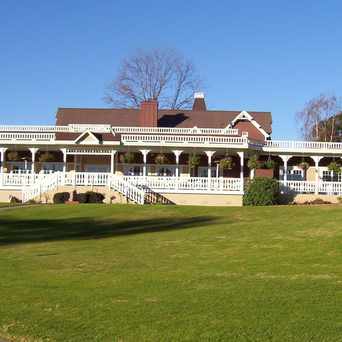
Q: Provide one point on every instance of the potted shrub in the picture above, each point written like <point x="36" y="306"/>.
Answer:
<point x="265" y="169"/>
<point x="194" y="161"/>
<point x="253" y="162"/>
<point x="127" y="158"/>
<point x="304" y="165"/>
<point x="161" y="158"/>
<point x="13" y="156"/>
<point x="46" y="157"/>
<point x="226" y="163"/>
<point x="334" y="167"/>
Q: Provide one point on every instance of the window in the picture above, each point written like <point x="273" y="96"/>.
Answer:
<point x="330" y="176"/>
<point x="168" y="171"/>
<point x="133" y="170"/>
<point x="203" y="171"/>
<point x="295" y="174"/>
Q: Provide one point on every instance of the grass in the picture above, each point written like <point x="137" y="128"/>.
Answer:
<point x="130" y="273"/>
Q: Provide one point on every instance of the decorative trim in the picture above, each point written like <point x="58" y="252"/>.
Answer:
<point x="245" y="116"/>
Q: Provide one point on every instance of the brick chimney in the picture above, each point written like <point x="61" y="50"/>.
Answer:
<point x="199" y="103"/>
<point x="148" y="116"/>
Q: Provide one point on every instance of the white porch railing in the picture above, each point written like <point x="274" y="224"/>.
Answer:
<point x="293" y="145"/>
<point x="86" y="179"/>
<point x="152" y="139"/>
<point x="174" y="130"/>
<point x="187" y="184"/>
<point x="18" y="180"/>
<point x="27" y="137"/>
<point x="303" y="187"/>
<point x="300" y="187"/>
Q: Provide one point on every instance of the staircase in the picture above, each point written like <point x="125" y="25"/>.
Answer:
<point x="152" y="197"/>
<point x="116" y="183"/>
<point x="41" y="186"/>
<point x="130" y="191"/>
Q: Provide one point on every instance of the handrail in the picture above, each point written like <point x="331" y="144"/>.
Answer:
<point x="131" y="191"/>
<point x="48" y="183"/>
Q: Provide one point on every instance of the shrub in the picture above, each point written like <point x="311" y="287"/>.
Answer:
<point x="335" y="167"/>
<point x="261" y="191"/>
<point x="61" y="197"/>
<point x="127" y="158"/>
<point x="82" y="198"/>
<point x="94" y="197"/>
<point x="304" y="165"/>
<point x="194" y="161"/>
<point x="14" y="200"/>
<point x="269" y="164"/>
<point x="226" y="163"/>
<point x="253" y="162"/>
<point x="161" y="159"/>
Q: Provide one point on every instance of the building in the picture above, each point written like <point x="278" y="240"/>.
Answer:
<point x="196" y="156"/>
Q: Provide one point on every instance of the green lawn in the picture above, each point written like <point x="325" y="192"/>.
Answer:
<point x="131" y="273"/>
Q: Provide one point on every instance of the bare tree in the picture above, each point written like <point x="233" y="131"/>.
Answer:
<point x="319" y="118"/>
<point x="164" y="75"/>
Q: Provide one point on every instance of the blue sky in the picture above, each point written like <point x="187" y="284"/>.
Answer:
<point x="253" y="55"/>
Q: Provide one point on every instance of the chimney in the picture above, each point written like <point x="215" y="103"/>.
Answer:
<point x="199" y="103"/>
<point x="148" y="115"/>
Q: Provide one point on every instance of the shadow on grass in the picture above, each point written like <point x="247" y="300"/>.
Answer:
<point x="27" y="231"/>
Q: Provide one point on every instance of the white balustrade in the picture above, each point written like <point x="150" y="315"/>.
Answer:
<point x="27" y="137"/>
<point x="330" y="188"/>
<point x="175" y="130"/>
<point x="42" y="185"/>
<point x="86" y="179"/>
<point x="293" y="145"/>
<point x="131" y="191"/>
<point x="18" y="180"/>
<point x="183" y="139"/>
<point x="301" y="187"/>
<point x="187" y="184"/>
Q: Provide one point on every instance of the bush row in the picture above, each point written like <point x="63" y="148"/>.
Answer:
<point x="88" y="197"/>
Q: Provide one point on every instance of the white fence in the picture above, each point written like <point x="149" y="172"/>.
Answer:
<point x="173" y="130"/>
<point x="293" y="145"/>
<point x="27" y="137"/>
<point x="187" y="184"/>
<point x="86" y="179"/>
<point x="18" y="180"/>
<point x="151" y="139"/>
<point x="41" y="186"/>
<point x="303" y="187"/>
<point x="131" y="191"/>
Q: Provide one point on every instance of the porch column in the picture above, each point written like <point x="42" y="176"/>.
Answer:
<point x="144" y="153"/>
<point x="2" y="158"/>
<point x="63" y="150"/>
<point x="317" y="159"/>
<point x="177" y="154"/>
<point x="241" y="155"/>
<point x="285" y="159"/>
<point x="209" y="156"/>
<point x="33" y="151"/>
<point x="112" y="158"/>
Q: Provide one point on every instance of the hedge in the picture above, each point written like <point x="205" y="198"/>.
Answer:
<point x="262" y="191"/>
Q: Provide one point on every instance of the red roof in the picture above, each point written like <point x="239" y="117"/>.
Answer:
<point x="166" y="118"/>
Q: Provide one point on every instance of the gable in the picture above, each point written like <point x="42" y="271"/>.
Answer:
<point x="246" y="126"/>
<point x="87" y="138"/>
<point x="247" y="117"/>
